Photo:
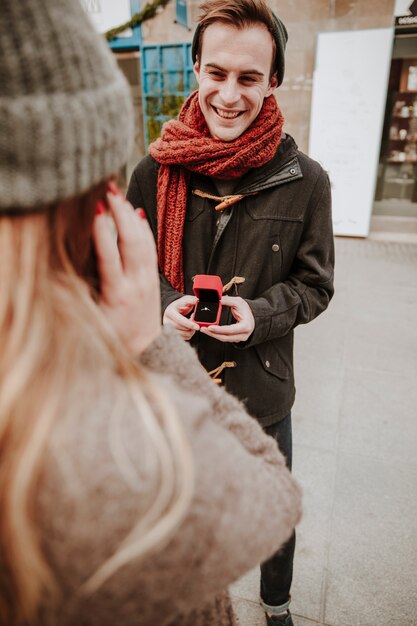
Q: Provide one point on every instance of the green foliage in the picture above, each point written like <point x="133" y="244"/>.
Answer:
<point x="154" y="129"/>
<point x="148" y="11"/>
<point x="171" y="105"/>
<point x="152" y="106"/>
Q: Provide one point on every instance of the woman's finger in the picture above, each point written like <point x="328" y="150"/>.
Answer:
<point x="135" y="241"/>
<point x="108" y="258"/>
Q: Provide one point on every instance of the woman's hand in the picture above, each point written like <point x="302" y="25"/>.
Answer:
<point x="128" y="271"/>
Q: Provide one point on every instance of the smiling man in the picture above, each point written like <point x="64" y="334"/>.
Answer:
<point x="228" y="193"/>
<point x="234" y="77"/>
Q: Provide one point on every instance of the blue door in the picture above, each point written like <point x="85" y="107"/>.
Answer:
<point x="167" y="80"/>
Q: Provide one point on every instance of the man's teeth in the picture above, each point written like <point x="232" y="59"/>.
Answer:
<point x="227" y="114"/>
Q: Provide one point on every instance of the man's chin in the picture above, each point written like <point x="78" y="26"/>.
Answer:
<point x="226" y="134"/>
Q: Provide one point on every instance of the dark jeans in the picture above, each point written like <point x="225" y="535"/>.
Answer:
<point x="276" y="573"/>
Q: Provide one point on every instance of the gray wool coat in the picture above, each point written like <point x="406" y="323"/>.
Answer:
<point x="245" y="502"/>
<point x="280" y="240"/>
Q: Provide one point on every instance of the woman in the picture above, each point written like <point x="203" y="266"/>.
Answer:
<point x="132" y="489"/>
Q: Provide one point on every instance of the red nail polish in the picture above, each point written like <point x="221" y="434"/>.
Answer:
<point x="142" y="214"/>
<point x="113" y="188"/>
<point x="100" y="208"/>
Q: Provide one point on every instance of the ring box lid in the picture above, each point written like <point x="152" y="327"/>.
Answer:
<point x="207" y="282"/>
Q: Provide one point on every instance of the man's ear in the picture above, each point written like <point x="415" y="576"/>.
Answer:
<point x="273" y="84"/>
<point x="196" y="69"/>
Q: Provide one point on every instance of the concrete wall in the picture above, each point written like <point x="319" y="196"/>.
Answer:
<point x="304" y="20"/>
<point x="129" y="63"/>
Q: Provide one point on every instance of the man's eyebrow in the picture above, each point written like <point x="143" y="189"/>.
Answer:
<point x="244" y="72"/>
<point x="214" y="66"/>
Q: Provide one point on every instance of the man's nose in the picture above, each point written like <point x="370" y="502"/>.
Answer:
<point x="230" y="92"/>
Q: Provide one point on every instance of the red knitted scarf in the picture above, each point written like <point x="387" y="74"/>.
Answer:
<point x="185" y="146"/>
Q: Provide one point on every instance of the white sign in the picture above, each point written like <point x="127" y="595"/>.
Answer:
<point x="107" y="14"/>
<point x="349" y="94"/>
<point x="402" y="7"/>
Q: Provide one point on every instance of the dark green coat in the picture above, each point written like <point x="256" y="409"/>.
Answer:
<point x="281" y="241"/>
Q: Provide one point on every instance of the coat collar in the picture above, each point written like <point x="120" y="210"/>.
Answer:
<point x="282" y="168"/>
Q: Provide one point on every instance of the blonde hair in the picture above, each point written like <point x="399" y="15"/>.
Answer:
<point x="50" y="328"/>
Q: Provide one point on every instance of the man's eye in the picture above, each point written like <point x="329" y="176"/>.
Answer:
<point x="216" y="74"/>
<point x="247" y="79"/>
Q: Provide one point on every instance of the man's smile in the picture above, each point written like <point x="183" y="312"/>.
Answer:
<point x="229" y="115"/>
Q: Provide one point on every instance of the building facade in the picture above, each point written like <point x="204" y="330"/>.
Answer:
<point x="168" y="34"/>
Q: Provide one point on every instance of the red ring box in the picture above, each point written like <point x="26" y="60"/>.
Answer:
<point x="208" y="290"/>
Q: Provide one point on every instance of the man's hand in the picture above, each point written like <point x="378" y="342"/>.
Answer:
<point x="245" y="322"/>
<point x="129" y="279"/>
<point x="175" y="314"/>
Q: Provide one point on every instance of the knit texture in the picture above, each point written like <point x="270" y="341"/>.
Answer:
<point x="66" y="119"/>
<point x="186" y="146"/>
<point x="99" y="480"/>
<point x="219" y="613"/>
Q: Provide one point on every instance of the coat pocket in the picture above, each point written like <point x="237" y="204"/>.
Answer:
<point x="271" y="360"/>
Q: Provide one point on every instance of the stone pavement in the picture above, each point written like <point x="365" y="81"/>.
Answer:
<point x="355" y="448"/>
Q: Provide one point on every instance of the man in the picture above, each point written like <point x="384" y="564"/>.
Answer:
<point x="228" y="193"/>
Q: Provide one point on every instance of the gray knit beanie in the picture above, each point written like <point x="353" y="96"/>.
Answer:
<point x="66" y="119"/>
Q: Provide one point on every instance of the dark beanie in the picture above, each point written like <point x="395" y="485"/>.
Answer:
<point x="280" y="35"/>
